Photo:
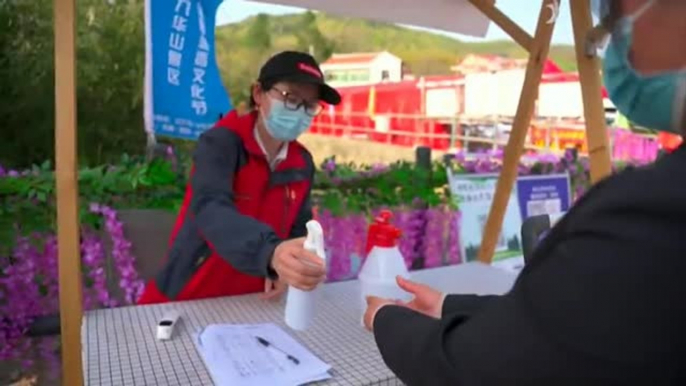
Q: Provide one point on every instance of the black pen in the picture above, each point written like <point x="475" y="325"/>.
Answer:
<point x="266" y="343"/>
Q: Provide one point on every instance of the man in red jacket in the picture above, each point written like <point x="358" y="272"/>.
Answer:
<point x="241" y="227"/>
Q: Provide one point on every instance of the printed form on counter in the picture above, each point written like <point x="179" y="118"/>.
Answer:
<point x="257" y="355"/>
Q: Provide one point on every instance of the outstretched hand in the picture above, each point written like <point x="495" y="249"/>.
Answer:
<point x="427" y="300"/>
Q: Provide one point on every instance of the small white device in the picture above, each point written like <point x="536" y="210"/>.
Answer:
<point x="165" y="327"/>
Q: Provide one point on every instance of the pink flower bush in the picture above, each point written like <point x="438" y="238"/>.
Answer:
<point x="426" y="233"/>
<point x="29" y="280"/>
<point x="352" y="196"/>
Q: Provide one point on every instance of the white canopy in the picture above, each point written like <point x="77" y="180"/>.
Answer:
<point x="458" y="16"/>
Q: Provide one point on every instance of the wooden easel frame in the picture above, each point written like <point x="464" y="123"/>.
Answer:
<point x="589" y="76"/>
<point x="68" y="227"/>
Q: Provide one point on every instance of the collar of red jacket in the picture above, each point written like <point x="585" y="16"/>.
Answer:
<point x="244" y="126"/>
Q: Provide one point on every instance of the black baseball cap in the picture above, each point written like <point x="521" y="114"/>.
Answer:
<point x="298" y="67"/>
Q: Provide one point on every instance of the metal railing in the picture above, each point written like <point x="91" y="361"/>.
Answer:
<point x="452" y="132"/>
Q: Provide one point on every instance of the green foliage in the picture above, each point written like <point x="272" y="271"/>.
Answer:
<point x="258" y="36"/>
<point x="29" y="200"/>
<point x="110" y="64"/>
<point x="134" y="183"/>
<point x="425" y="53"/>
<point x="309" y="38"/>
<point x="350" y="188"/>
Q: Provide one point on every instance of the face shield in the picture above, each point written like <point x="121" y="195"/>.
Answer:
<point x="598" y="37"/>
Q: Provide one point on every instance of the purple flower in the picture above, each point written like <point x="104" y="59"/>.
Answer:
<point x="548" y="158"/>
<point x="379" y="168"/>
<point x="330" y="165"/>
<point x="124" y="260"/>
<point x="459" y="157"/>
<point x="29" y="281"/>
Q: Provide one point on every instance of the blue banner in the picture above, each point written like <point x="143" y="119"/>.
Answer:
<point x="545" y="194"/>
<point x="184" y="92"/>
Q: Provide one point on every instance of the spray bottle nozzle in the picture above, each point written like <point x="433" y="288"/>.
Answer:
<point x="384" y="217"/>
<point x="315" y="238"/>
<point x="382" y="233"/>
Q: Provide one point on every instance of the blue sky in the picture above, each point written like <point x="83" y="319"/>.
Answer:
<point x="525" y="15"/>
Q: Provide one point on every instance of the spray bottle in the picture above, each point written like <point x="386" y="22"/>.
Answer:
<point x="384" y="261"/>
<point x="300" y="305"/>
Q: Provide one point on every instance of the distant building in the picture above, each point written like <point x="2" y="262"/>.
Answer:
<point x="473" y="63"/>
<point x="357" y="69"/>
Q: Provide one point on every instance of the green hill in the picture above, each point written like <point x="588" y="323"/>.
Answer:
<point x="242" y="47"/>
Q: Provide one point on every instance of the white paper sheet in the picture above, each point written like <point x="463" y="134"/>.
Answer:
<point x="234" y="356"/>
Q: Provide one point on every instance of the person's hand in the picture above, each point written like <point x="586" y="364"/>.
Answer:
<point x="273" y="290"/>
<point x="297" y="266"/>
<point x="426" y="300"/>
<point x="373" y="305"/>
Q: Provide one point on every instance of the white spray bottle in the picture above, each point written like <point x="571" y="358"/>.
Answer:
<point x="300" y="305"/>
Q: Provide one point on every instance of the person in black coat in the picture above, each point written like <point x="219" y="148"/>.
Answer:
<point x="603" y="301"/>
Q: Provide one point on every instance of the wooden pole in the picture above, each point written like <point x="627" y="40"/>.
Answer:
<point x="69" y="259"/>
<point x="488" y="8"/>
<point x="515" y="144"/>
<point x="591" y="85"/>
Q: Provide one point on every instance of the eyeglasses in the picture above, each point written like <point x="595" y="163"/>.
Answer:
<point x="292" y="102"/>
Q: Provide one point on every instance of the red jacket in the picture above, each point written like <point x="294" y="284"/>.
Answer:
<point x="235" y="211"/>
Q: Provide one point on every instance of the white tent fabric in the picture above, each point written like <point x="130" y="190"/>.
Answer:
<point x="458" y="16"/>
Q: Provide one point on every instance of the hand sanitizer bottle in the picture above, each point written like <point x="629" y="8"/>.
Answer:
<point x="383" y="263"/>
<point x="300" y="305"/>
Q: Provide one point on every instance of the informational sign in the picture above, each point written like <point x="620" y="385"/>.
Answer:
<point x="474" y="195"/>
<point x="531" y="195"/>
<point x="184" y="94"/>
<point x="546" y="194"/>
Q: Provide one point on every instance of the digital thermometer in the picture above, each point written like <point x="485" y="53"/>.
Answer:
<point x="165" y="327"/>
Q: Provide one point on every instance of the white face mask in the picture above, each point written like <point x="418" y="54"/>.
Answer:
<point x="655" y="101"/>
<point x="284" y="124"/>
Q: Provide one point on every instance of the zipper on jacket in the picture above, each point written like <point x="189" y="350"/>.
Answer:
<point x="286" y="207"/>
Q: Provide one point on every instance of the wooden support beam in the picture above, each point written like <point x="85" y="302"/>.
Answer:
<point x="591" y="86"/>
<point x="68" y="231"/>
<point x="515" y="144"/>
<point x="488" y="8"/>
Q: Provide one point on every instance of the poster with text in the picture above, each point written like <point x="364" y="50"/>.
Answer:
<point x="474" y="195"/>
<point x="545" y="194"/>
<point x="184" y="93"/>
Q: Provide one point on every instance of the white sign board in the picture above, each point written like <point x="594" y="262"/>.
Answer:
<point x="494" y="93"/>
<point x="442" y="102"/>
<point x="560" y="100"/>
<point x="474" y="195"/>
<point x="458" y="16"/>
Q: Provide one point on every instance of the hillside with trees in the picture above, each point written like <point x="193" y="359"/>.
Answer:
<point x="111" y="60"/>
<point x="242" y="47"/>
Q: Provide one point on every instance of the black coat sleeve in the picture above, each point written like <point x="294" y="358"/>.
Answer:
<point x="465" y="305"/>
<point x="592" y="310"/>
<point x="246" y="243"/>
<point x="305" y="212"/>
